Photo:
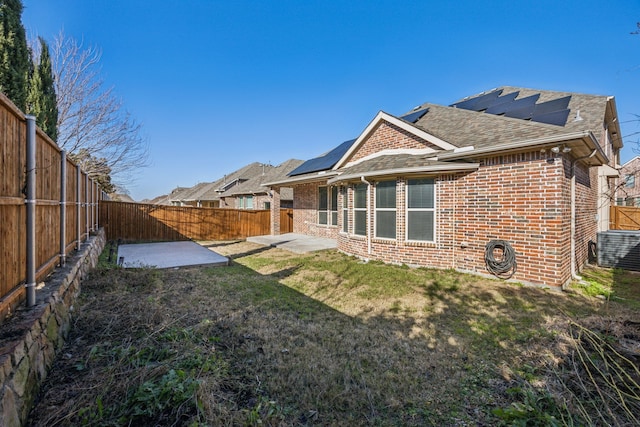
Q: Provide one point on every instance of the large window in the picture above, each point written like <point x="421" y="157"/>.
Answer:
<point x="386" y="210"/>
<point x="328" y="205"/>
<point x="421" y="210"/>
<point x="360" y="210"/>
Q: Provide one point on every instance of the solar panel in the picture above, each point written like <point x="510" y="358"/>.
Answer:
<point x="501" y="104"/>
<point x="521" y="113"/>
<point x="558" y="118"/>
<point x="552" y="106"/>
<point x="469" y="104"/>
<point x="479" y="106"/>
<point x="529" y="101"/>
<point x="323" y="162"/>
<point x="415" y="116"/>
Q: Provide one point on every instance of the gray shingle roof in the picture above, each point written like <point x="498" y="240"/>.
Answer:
<point x="462" y="127"/>
<point x="271" y="173"/>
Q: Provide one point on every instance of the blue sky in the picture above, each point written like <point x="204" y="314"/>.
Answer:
<point x="220" y="84"/>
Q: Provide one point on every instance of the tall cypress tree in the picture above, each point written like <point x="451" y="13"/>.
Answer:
<point x="42" y="101"/>
<point x="14" y="53"/>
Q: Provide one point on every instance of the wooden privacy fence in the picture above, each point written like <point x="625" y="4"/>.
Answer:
<point x="624" y="218"/>
<point x="48" y="206"/>
<point x="139" y="221"/>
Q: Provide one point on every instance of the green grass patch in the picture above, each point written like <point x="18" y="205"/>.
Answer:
<point x="321" y="339"/>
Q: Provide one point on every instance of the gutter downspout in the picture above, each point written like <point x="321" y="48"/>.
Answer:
<point x="574" y="274"/>
<point x="368" y="213"/>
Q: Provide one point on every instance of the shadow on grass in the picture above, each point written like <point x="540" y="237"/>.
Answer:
<point x="442" y="351"/>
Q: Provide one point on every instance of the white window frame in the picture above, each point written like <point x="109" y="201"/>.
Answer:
<point x="331" y="211"/>
<point x="332" y="217"/>
<point x="376" y="209"/>
<point x="434" y="209"/>
<point x="364" y="209"/>
<point x="324" y="211"/>
<point x="344" y="191"/>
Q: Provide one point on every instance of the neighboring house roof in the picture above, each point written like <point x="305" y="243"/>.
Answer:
<point x="505" y="119"/>
<point x="270" y="173"/>
<point x="218" y="188"/>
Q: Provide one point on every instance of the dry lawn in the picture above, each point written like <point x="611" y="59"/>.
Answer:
<point x="324" y="339"/>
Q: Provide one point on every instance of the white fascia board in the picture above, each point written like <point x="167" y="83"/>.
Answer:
<point x="382" y="116"/>
<point x="392" y="152"/>
<point x="586" y="136"/>
<point x="322" y="175"/>
<point x="451" y="167"/>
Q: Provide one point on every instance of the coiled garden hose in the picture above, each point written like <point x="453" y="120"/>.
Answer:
<point x="505" y="266"/>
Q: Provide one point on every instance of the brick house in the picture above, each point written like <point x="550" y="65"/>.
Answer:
<point x="251" y="194"/>
<point x="432" y="187"/>
<point x="628" y="193"/>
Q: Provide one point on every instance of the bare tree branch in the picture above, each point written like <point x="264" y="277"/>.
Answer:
<point x="90" y="117"/>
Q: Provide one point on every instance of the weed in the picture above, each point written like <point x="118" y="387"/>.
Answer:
<point x="323" y="339"/>
<point x="532" y="408"/>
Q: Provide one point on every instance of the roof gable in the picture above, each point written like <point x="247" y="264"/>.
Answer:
<point x="398" y="125"/>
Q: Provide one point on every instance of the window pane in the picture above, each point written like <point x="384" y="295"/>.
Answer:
<point x="631" y="181"/>
<point x="322" y="201"/>
<point x="334" y="217"/>
<point x="345" y="220"/>
<point x="386" y="224"/>
<point x="360" y="196"/>
<point x="249" y="202"/>
<point x="421" y="193"/>
<point x="420" y="225"/>
<point x="386" y="194"/>
<point x="334" y="198"/>
<point x="322" y="217"/>
<point x="360" y="223"/>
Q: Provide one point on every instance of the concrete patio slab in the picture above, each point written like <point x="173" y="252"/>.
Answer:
<point x="297" y="243"/>
<point x="168" y="255"/>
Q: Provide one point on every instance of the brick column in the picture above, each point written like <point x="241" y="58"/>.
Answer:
<point x="275" y="210"/>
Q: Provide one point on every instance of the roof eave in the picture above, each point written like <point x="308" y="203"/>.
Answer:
<point x="587" y="138"/>
<point x="452" y="167"/>
<point x="302" y="179"/>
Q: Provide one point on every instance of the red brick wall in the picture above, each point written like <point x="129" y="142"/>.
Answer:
<point x="387" y="135"/>
<point x="305" y="212"/>
<point x="523" y="198"/>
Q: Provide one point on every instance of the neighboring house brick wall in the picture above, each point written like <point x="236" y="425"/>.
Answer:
<point x="629" y="190"/>
<point x="387" y="135"/>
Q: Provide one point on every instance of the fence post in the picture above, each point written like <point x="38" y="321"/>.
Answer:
<point x="91" y="196"/>
<point x="31" y="210"/>
<point x="86" y="203"/>
<point x="63" y="208"/>
<point x="78" y="205"/>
